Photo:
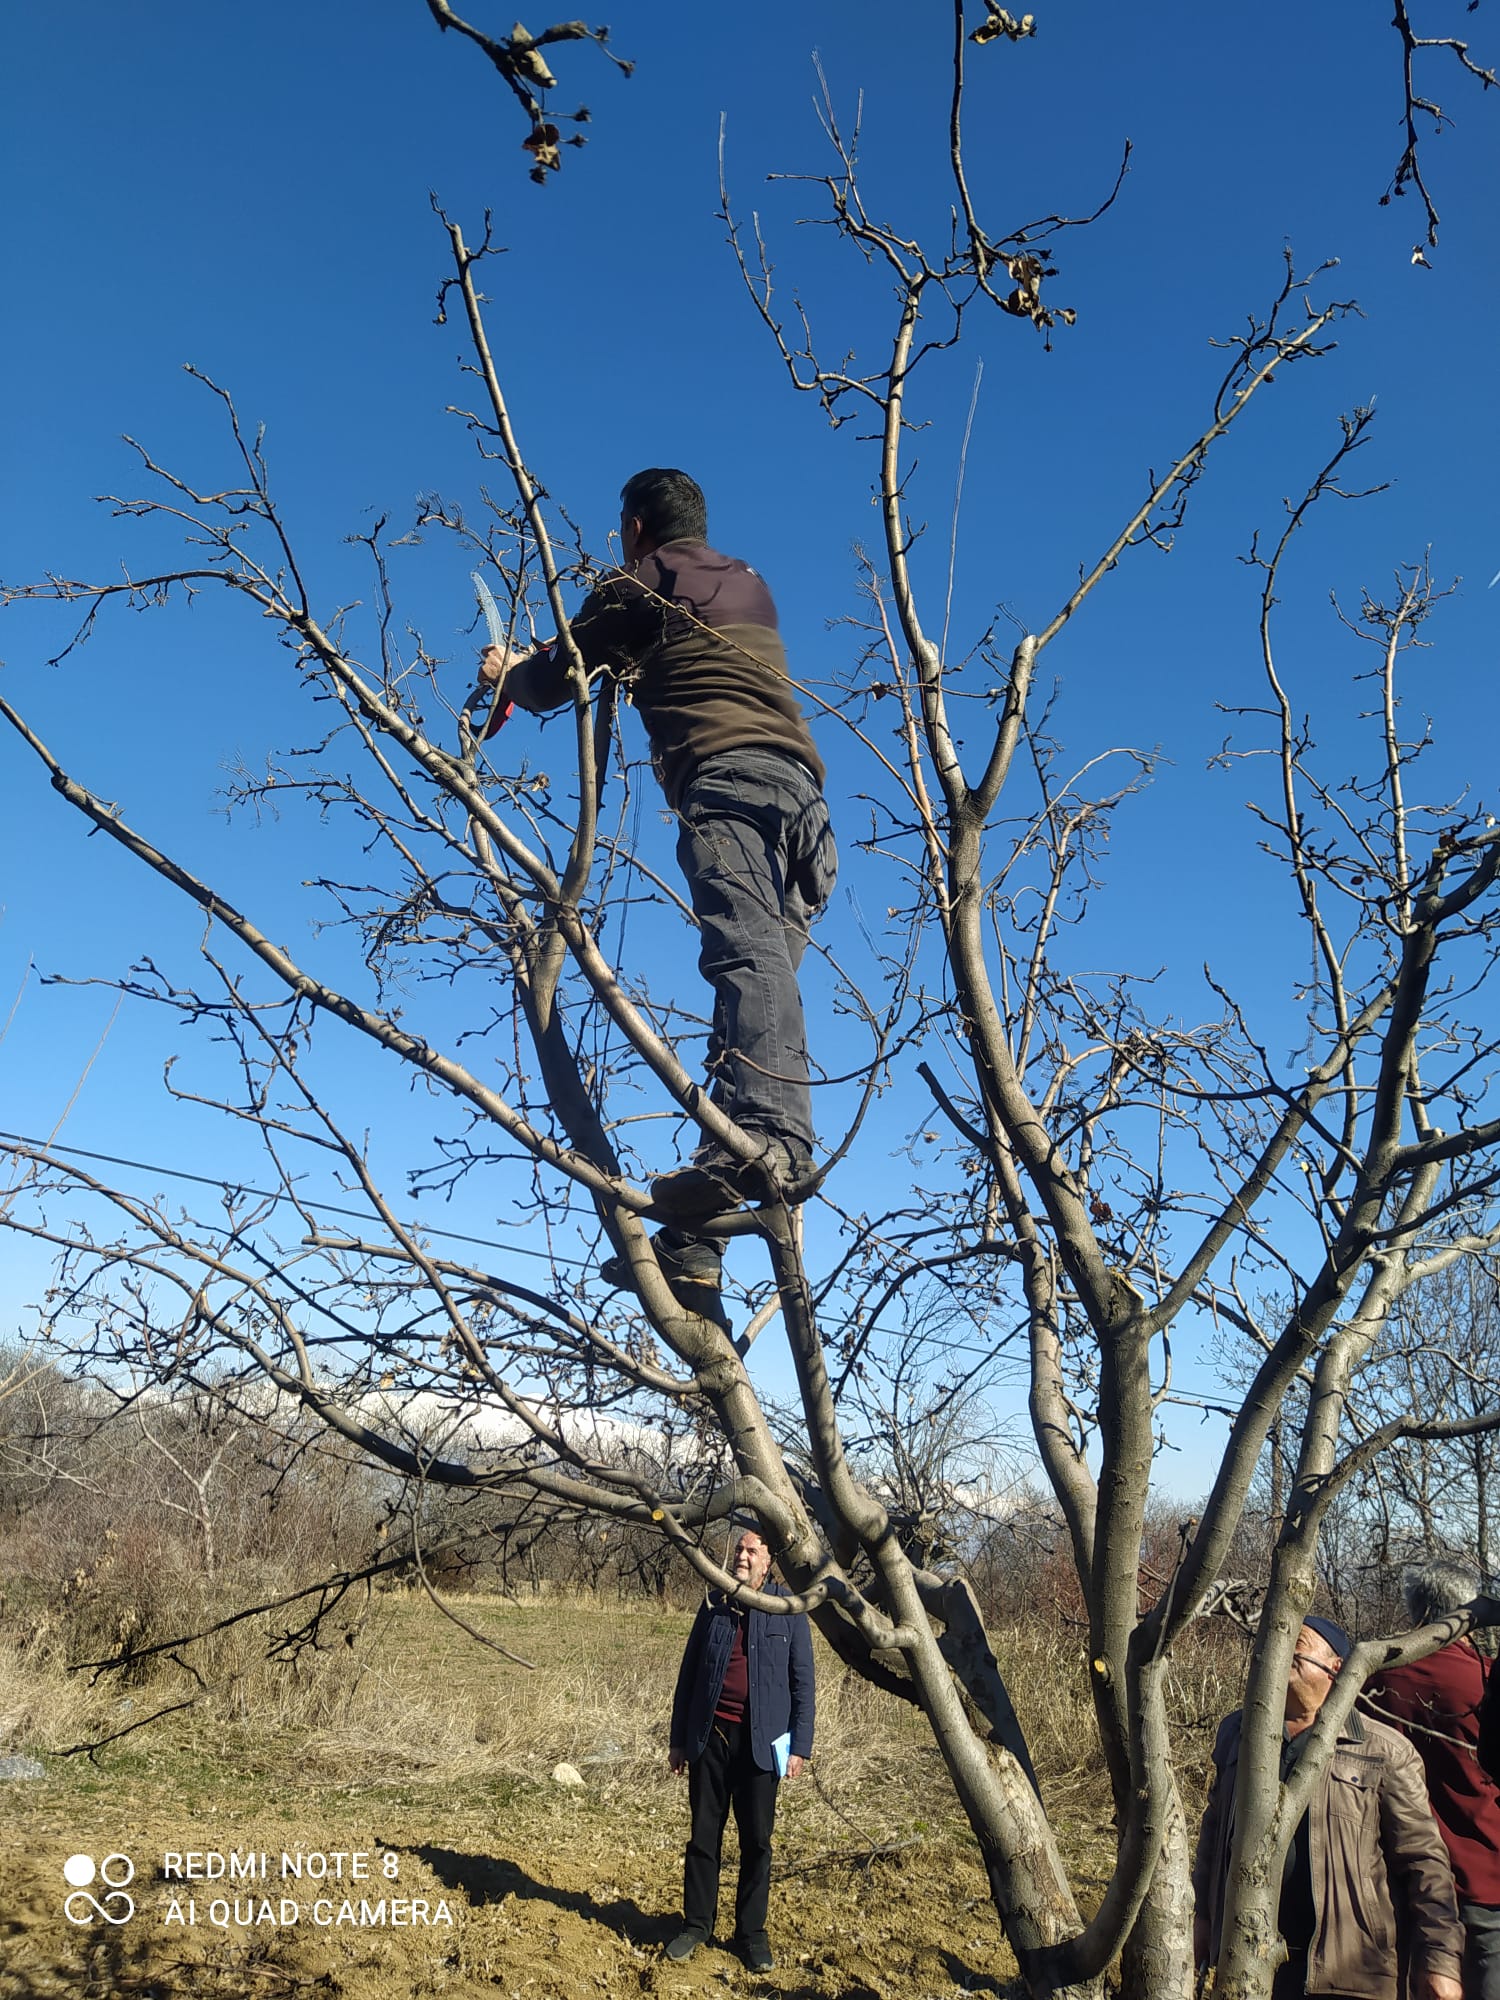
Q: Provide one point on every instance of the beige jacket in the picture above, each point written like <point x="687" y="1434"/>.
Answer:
<point x="1379" y="1866"/>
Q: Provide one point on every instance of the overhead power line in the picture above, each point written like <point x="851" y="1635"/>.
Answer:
<point x="226" y="1183"/>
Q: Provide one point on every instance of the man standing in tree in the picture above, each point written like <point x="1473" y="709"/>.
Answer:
<point x="1365" y="1862"/>
<point x="743" y="1712"/>
<point x="692" y="636"/>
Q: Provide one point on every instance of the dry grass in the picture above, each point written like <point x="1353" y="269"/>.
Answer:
<point x="600" y="1694"/>
<point x="43" y="1708"/>
<point x="400" y="1692"/>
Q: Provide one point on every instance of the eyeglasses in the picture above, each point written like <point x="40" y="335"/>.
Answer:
<point x="1306" y="1660"/>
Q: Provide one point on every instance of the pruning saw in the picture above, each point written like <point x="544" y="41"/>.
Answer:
<point x="501" y="710"/>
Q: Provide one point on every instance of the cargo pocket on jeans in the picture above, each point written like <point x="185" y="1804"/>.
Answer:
<point x="815" y="866"/>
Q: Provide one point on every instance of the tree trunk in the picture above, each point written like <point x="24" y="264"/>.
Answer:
<point x="1250" y="1981"/>
<point x="1157" y="1962"/>
<point x="1028" y="1884"/>
<point x="1278" y="1483"/>
<point x="1482" y="1505"/>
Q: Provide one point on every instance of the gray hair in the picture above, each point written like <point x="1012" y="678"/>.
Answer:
<point x="1435" y="1589"/>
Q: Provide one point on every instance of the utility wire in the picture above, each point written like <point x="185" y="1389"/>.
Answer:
<point x="226" y="1183"/>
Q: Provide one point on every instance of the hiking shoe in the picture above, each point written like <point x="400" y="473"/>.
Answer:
<point x="691" y="1268"/>
<point x="686" y="1943"/>
<point x="755" y="1954"/>
<point x="714" y="1181"/>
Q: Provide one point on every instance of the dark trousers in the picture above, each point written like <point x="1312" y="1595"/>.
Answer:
<point x="1290" y="1982"/>
<point x="724" y="1776"/>
<point x="760" y="862"/>
<point x="1482" y="1951"/>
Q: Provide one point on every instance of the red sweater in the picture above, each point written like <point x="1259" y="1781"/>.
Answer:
<point x="1432" y="1701"/>
<point x="734" y="1696"/>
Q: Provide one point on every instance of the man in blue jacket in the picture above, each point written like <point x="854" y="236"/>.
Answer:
<point x="744" y="1690"/>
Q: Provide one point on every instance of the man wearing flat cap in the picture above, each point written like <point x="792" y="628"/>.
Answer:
<point x="1367" y="1883"/>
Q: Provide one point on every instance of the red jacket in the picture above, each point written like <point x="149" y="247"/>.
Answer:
<point x="1436" y="1703"/>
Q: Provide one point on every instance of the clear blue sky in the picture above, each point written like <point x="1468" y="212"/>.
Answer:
<point x="247" y="190"/>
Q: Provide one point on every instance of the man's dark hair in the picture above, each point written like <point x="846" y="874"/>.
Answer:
<point x="668" y="505"/>
<point x="1433" y="1590"/>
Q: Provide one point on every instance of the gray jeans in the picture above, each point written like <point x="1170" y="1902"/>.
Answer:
<point x="758" y="854"/>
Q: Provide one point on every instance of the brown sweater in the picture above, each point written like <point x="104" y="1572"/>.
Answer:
<point x="693" y="636"/>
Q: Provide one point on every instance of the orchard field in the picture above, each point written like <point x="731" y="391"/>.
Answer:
<point x="412" y="1741"/>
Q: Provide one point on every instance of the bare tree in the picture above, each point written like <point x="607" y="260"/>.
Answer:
<point x="1429" y="1496"/>
<point x="1101" y="1176"/>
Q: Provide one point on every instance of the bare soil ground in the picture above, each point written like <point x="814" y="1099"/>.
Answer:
<point x="441" y="1759"/>
<point x="572" y="1897"/>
